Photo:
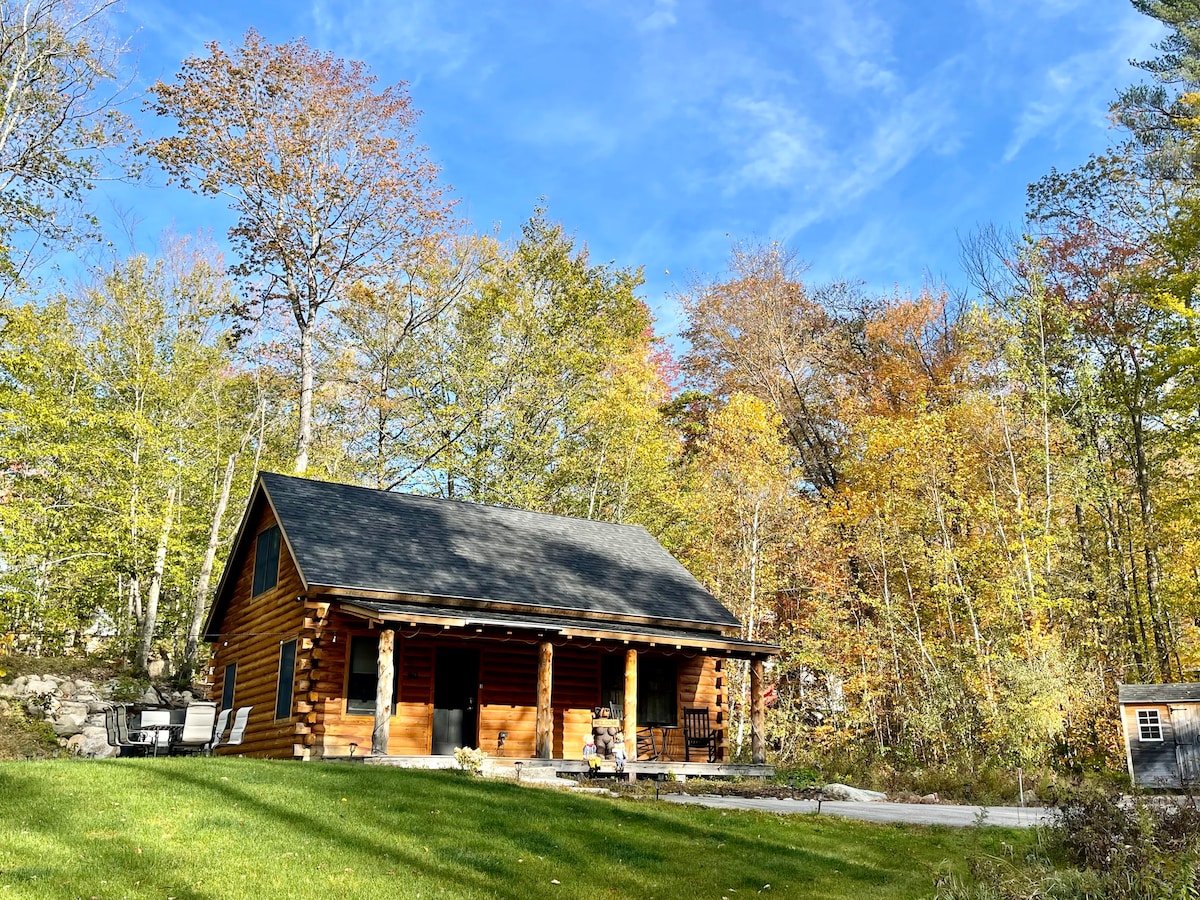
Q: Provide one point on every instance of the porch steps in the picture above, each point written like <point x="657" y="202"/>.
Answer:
<point x="526" y="773"/>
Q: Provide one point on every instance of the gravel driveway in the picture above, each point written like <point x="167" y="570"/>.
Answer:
<point x="912" y="813"/>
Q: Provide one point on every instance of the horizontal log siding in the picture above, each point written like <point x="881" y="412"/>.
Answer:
<point x="701" y="685"/>
<point x="574" y="693"/>
<point x="410" y="731"/>
<point x="508" y="701"/>
<point x="252" y="630"/>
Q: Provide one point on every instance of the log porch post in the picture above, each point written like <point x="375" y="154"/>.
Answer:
<point x="383" y="693"/>
<point x="758" y="715"/>
<point x="630" y="723"/>
<point x="544" y="735"/>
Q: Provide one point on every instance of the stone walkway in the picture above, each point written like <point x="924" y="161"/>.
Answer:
<point x="911" y="813"/>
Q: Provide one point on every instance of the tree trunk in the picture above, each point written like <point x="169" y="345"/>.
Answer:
<point x="200" y="602"/>
<point x="304" y="434"/>
<point x="160" y="561"/>
<point x="545" y="711"/>
<point x="631" y="711"/>
<point x="758" y="716"/>
<point x="383" y="692"/>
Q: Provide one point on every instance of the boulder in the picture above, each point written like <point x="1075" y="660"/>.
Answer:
<point x="92" y="743"/>
<point x="150" y="698"/>
<point x="70" y="717"/>
<point x="44" y="685"/>
<point x="837" y="791"/>
<point x="930" y="798"/>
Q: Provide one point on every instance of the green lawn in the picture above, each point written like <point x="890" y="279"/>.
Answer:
<point x="224" y="828"/>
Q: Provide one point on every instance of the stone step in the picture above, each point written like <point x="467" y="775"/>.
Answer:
<point x="528" y="771"/>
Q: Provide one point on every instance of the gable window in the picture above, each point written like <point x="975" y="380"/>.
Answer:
<point x="287" y="676"/>
<point x="266" y="560"/>
<point x="1149" y="725"/>
<point x="227" y="689"/>
<point x="363" y="678"/>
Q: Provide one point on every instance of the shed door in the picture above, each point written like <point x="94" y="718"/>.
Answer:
<point x="455" y="700"/>
<point x="1187" y="742"/>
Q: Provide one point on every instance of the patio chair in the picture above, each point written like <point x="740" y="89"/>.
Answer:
<point x="160" y="732"/>
<point x="218" y="730"/>
<point x="198" y="720"/>
<point x="238" y="731"/>
<point x="127" y="739"/>
<point x="698" y="734"/>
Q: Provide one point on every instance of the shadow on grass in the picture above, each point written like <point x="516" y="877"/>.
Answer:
<point x="469" y="836"/>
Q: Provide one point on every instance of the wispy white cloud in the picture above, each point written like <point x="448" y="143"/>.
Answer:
<point x="661" y="15"/>
<point x="431" y="37"/>
<point x="824" y="172"/>
<point x="780" y="145"/>
<point x="848" y="39"/>
<point x="1078" y="90"/>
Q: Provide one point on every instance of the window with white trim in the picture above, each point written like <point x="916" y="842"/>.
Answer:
<point x="1149" y="725"/>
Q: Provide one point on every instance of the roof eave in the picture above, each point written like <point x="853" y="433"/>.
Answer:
<point x="715" y="644"/>
<point x="485" y="603"/>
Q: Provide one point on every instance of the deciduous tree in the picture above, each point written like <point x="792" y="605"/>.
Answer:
<point x="58" y="116"/>
<point x="323" y="172"/>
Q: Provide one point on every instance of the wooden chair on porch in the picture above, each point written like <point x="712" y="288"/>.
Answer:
<point x="646" y="747"/>
<point x="698" y="733"/>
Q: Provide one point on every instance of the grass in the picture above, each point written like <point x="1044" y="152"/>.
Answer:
<point x="225" y="828"/>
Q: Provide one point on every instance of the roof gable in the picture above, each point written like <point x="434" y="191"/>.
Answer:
<point x="364" y="540"/>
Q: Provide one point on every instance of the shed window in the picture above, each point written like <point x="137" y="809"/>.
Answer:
<point x="266" y="560"/>
<point x="287" y="676"/>
<point x="364" y="675"/>
<point x="1149" y="725"/>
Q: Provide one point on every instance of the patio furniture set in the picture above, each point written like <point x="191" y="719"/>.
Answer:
<point x="200" y="729"/>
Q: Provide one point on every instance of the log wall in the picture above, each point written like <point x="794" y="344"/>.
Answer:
<point x="252" y="630"/>
<point x="702" y="684"/>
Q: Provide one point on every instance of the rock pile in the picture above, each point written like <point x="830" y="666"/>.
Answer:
<point x="75" y="708"/>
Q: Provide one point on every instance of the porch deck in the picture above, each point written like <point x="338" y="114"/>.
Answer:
<point x="645" y="768"/>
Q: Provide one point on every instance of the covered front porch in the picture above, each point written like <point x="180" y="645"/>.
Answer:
<point x="421" y="680"/>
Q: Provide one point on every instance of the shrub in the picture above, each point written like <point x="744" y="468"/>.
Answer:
<point x="470" y="759"/>
<point x="1106" y="846"/>
<point x="26" y="737"/>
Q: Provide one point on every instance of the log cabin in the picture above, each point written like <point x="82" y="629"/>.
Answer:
<point x="382" y="623"/>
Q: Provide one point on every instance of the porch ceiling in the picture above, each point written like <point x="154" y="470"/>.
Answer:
<point x="414" y="614"/>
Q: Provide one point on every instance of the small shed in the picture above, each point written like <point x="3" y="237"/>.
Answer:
<point x="1162" y="733"/>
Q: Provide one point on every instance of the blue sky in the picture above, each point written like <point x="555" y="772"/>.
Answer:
<point x="865" y="136"/>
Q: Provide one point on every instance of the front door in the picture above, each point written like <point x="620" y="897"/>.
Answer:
<point x="1187" y="743"/>
<point x="455" y="700"/>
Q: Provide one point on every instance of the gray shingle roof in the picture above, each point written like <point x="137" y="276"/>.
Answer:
<point x="362" y="539"/>
<point x="1157" y="693"/>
